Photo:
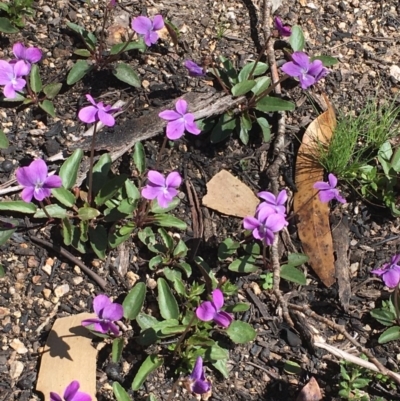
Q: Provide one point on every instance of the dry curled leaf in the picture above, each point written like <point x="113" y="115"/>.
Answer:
<point x="68" y="356"/>
<point x="228" y="195"/>
<point x="312" y="214"/>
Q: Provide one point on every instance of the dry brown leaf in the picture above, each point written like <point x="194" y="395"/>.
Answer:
<point x="313" y="215"/>
<point x="310" y="392"/>
<point x="228" y="195"/>
<point x="68" y="356"/>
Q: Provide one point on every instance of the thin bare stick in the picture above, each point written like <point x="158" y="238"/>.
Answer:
<point x="277" y="279"/>
<point x="63" y="252"/>
<point x="308" y="312"/>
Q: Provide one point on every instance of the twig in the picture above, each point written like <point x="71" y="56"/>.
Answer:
<point x="352" y="358"/>
<point x="308" y="312"/>
<point x="63" y="252"/>
<point x="48" y="318"/>
<point x="277" y="279"/>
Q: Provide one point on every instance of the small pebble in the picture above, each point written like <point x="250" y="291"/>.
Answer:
<point x="7" y="166"/>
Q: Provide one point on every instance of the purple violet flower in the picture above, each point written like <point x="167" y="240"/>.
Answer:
<point x="327" y="190"/>
<point x="107" y="313"/>
<point x="198" y="383"/>
<point x="29" y="55"/>
<point x="164" y="189"/>
<point x="10" y="77"/>
<point x="265" y="224"/>
<point x="36" y="181"/>
<point x="308" y="72"/>
<point x="98" y="111"/>
<point x="71" y="393"/>
<point x="276" y="202"/>
<point x="179" y="121"/>
<point x="212" y="310"/>
<point x="390" y="272"/>
<point x="194" y="69"/>
<point x="283" y="30"/>
<point x="146" y="27"/>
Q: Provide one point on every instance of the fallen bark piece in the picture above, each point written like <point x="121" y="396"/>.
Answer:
<point x="228" y="195"/>
<point x="313" y="215"/>
<point x="68" y="356"/>
<point x="310" y="392"/>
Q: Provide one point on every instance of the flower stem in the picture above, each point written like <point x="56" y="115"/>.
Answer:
<point x="90" y="195"/>
<point x="164" y="144"/>
<point x="396" y="303"/>
<point x="42" y="205"/>
<point x="259" y="58"/>
<point x="182" y="337"/>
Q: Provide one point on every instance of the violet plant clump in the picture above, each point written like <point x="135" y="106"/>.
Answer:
<point x="308" y="72"/>
<point x="164" y="189"/>
<point x="328" y="190"/>
<point x="194" y="69"/>
<point x="148" y="28"/>
<point x="179" y="121"/>
<point x="97" y="112"/>
<point x="107" y="313"/>
<point x="36" y="181"/>
<point x="390" y="272"/>
<point x="71" y="393"/>
<point x="283" y="30"/>
<point x="211" y="310"/>
<point x="11" y="77"/>
<point x="197" y="382"/>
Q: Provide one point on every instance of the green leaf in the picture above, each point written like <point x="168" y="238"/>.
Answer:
<point x="67" y="231"/>
<point x="147" y="321"/>
<point x="87" y="213"/>
<point x="139" y="157"/>
<point x="260" y="69"/>
<point x="244" y="135"/>
<point x="360" y="383"/>
<point x="150" y="364"/>
<point x="395" y="162"/>
<point x="176" y="278"/>
<point x="99" y="241"/>
<point x="110" y="188"/>
<point x="155" y="261"/>
<point x="64" y="196"/>
<point x="239" y="307"/>
<point x="6" y="26"/>
<point x="87" y="36"/>
<point x="227" y="248"/>
<point x="241" y="332"/>
<point x="297" y="259"/>
<point x="296" y="39"/>
<point x="166" y="220"/>
<point x="4" y="143"/>
<point x="166" y="301"/>
<point x="2" y="271"/>
<point x="4" y="7"/>
<point x="18" y="206"/>
<point x="327" y="61"/>
<point x="223" y="129"/>
<point x="384" y="316"/>
<point x="390" y="334"/>
<point x="82" y="52"/>
<point x="100" y="171"/>
<point x="157" y="209"/>
<point x="172" y="330"/>
<point x="230" y="70"/>
<point x="127" y="74"/>
<point x="292" y="368"/>
<point x="120" y="393"/>
<point x="48" y="107"/>
<point x="52" y="90"/>
<point x="220" y="365"/>
<point x="242" y="88"/>
<point x="117" y="347"/>
<point x="215" y="352"/>
<point x="344" y="373"/>
<point x="244" y="264"/>
<point x="180" y="250"/>
<point x="117" y="237"/>
<point x="269" y="104"/>
<point x="252" y="249"/>
<point x="36" y="82"/>
<point x="78" y="71"/>
<point x="262" y="83"/>
<point x="167" y="239"/>
<point x="5" y="235"/>
<point x="290" y="273"/>
<point x="53" y="211"/>
<point x="134" y="301"/>
<point x="265" y="128"/>
<point x="140" y="45"/>
<point x="69" y="169"/>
